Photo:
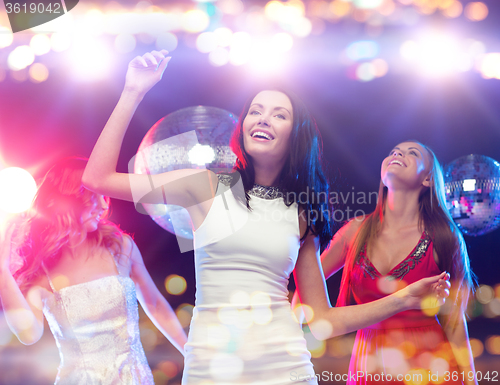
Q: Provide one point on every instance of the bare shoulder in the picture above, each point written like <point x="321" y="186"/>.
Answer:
<point x="128" y="244"/>
<point x="349" y="230"/>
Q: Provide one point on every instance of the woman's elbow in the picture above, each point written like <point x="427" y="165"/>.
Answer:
<point x="89" y="181"/>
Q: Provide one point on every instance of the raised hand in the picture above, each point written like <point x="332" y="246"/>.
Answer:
<point x="428" y="292"/>
<point x="145" y="71"/>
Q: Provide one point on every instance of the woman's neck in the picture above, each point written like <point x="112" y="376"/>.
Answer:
<point x="266" y="176"/>
<point x="401" y="209"/>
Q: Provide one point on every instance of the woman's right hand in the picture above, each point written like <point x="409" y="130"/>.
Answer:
<point x="145" y="71"/>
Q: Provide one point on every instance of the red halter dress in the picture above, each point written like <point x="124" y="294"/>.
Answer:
<point x="409" y="347"/>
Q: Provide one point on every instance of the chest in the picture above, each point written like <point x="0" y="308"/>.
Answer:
<point x="267" y="236"/>
<point x="390" y="250"/>
<point x="74" y="268"/>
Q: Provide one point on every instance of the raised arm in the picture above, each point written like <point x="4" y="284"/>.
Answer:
<point x="327" y="321"/>
<point x="25" y="319"/>
<point x="152" y="301"/>
<point x="181" y="187"/>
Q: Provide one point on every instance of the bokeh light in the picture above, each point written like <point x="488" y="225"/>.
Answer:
<point x="20" y="75"/>
<point x="477" y="347"/>
<point x="17" y="189"/>
<point x="6" y="37"/>
<point x="436" y="55"/>
<point x="184" y="313"/>
<point x="40" y="44"/>
<point x="340" y="8"/>
<point x="231" y="7"/>
<point x="91" y="59"/>
<point x="453" y="10"/>
<point x="219" y="57"/>
<point x="282" y="42"/>
<point x="241" y="45"/>
<point x="175" y="284"/>
<point x="60" y="41"/>
<point x="195" y="21"/>
<point x="38" y="73"/>
<point x="316" y="347"/>
<point x="166" y="40"/>
<point x="365" y="49"/>
<point x="476" y="11"/>
<point x="125" y="43"/>
<point x="490" y="66"/>
<point x="492" y="345"/>
<point x="484" y="294"/>
<point x="168" y="368"/>
<point x="223" y="36"/>
<point x="206" y="42"/>
<point x="21" y="57"/>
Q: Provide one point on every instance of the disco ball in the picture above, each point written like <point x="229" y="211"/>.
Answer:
<point x="472" y="185"/>
<point x="193" y="137"/>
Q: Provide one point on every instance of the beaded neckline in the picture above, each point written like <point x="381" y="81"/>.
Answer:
<point x="265" y="192"/>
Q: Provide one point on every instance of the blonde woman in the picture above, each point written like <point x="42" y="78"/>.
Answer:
<point x="84" y="275"/>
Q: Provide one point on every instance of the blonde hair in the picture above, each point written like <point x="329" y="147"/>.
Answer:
<point x="54" y="220"/>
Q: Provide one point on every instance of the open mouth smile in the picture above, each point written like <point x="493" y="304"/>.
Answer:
<point x="262" y="135"/>
<point x="395" y="161"/>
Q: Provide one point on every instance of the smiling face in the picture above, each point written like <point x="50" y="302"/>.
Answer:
<point x="91" y="215"/>
<point x="267" y="128"/>
<point x="408" y="164"/>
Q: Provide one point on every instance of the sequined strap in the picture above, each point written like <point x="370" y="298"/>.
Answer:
<point x="48" y="278"/>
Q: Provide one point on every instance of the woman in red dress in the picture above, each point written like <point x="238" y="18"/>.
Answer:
<point x="409" y="236"/>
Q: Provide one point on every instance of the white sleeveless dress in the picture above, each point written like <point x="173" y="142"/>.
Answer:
<point x="243" y="330"/>
<point x="96" y="328"/>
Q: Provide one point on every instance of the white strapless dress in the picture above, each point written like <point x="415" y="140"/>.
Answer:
<point x="243" y="330"/>
<point x="96" y="328"/>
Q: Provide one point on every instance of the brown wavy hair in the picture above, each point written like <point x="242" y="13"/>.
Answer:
<point x="55" y="218"/>
<point x="435" y="218"/>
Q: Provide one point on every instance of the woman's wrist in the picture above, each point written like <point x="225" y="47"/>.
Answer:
<point x="132" y="94"/>
<point x="403" y="300"/>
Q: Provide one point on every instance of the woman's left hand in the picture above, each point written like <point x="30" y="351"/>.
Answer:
<point x="427" y="292"/>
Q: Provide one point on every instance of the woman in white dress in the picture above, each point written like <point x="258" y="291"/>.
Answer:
<point x="252" y="228"/>
<point x="84" y="275"/>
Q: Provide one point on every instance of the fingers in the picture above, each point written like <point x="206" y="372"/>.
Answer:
<point x="443" y="286"/>
<point x="156" y="59"/>
<point x="149" y="57"/>
<point x="139" y="61"/>
<point x="163" y="65"/>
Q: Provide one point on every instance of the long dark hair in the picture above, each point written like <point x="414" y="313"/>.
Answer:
<point x="435" y="218"/>
<point x="55" y="218"/>
<point x="301" y="176"/>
